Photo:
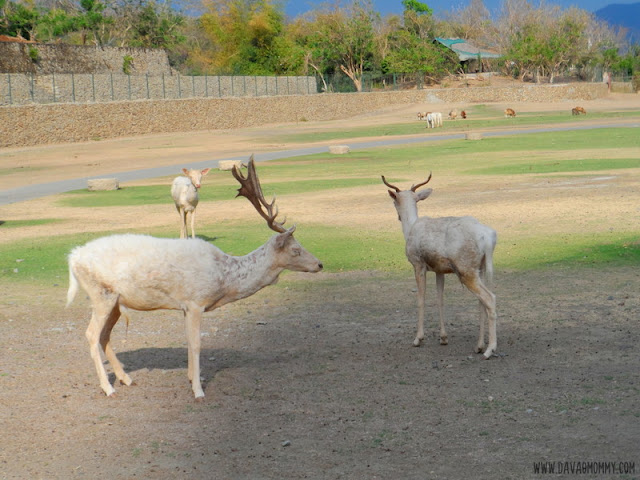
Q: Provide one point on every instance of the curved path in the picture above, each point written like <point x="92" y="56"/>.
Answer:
<point x="30" y="192"/>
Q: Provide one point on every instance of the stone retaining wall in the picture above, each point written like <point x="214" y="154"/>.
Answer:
<point x="64" y="123"/>
<point x="61" y="58"/>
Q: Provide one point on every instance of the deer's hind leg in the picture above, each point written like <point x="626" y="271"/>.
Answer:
<point x="421" y="281"/>
<point x="488" y="312"/>
<point x="105" y="342"/>
<point x="444" y="338"/>
<point x="105" y="315"/>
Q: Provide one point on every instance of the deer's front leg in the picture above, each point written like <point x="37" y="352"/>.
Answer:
<point x="421" y="274"/>
<point x="193" y="318"/>
<point x="193" y="224"/>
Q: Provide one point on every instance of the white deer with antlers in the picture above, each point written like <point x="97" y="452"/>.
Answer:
<point x="459" y="245"/>
<point x="146" y="273"/>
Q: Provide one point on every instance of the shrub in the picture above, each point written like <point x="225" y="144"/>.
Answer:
<point x="127" y="64"/>
<point x="34" y="54"/>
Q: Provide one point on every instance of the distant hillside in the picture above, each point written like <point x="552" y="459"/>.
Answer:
<point x="627" y="16"/>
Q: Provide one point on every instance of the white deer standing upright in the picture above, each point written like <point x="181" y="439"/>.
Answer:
<point x="146" y="273"/>
<point x="459" y="245"/>
<point x="184" y="191"/>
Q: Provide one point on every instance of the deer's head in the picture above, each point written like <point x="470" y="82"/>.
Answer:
<point x="291" y="255"/>
<point x="406" y="201"/>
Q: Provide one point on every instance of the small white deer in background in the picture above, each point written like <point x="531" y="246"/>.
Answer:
<point x="184" y="191"/>
<point x="459" y="245"/>
<point x="434" y="119"/>
<point x="140" y="272"/>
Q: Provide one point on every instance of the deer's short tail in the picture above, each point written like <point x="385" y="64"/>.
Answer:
<point x="73" y="286"/>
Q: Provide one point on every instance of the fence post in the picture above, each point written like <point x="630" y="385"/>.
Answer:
<point x="53" y="84"/>
<point x="33" y="89"/>
<point x="179" y="87"/>
<point x="9" y="87"/>
<point x="276" y="85"/>
<point x="219" y="88"/>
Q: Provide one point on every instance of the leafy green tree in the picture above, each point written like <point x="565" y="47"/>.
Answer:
<point x="343" y="40"/>
<point x="156" y="27"/>
<point x="18" y="19"/>
<point x="92" y="20"/>
<point x="417" y="7"/>
<point x="409" y="54"/>
<point x="245" y="37"/>
<point x="55" y="24"/>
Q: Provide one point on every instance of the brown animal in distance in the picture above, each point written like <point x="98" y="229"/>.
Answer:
<point x="509" y="112"/>
<point x="578" y="111"/>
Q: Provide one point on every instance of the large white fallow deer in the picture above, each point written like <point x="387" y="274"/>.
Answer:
<point x="460" y="245"/>
<point x="145" y="273"/>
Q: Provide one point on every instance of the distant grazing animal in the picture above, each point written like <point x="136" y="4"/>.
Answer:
<point x="430" y="120"/>
<point x="578" y="111"/>
<point x="460" y="245"/>
<point x="145" y="273"/>
<point x="509" y="112"/>
<point x="463" y="114"/>
<point x="434" y="119"/>
<point x="453" y="114"/>
<point x="184" y="191"/>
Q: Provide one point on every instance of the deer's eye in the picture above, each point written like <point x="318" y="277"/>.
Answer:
<point x="295" y="252"/>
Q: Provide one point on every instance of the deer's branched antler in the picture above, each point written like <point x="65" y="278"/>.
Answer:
<point x="250" y="188"/>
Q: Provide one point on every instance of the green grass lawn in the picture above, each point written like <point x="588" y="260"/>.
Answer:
<point x="479" y="117"/>
<point x="43" y="260"/>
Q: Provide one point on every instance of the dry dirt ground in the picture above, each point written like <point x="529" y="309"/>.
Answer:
<point x="316" y="377"/>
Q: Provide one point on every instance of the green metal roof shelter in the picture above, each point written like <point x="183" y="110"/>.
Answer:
<point x="465" y="50"/>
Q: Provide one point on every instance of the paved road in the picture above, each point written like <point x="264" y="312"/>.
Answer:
<point x="30" y="192"/>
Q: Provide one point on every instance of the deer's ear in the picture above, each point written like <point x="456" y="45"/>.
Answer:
<point x="392" y="194"/>
<point x="283" y="237"/>
<point x="185" y="171"/>
<point x="205" y="171"/>
<point x="422" y="194"/>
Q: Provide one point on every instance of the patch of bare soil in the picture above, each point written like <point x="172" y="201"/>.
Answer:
<point x="316" y="377"/>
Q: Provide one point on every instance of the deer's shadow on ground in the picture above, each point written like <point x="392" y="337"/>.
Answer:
<point x="212" y="360"/>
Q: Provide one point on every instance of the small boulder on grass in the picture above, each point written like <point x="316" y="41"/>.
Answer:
<point x="97" y="184"/>
<point x="339" y="149"/>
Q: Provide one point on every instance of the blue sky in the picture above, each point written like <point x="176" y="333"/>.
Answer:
<point x="296" y="7"/>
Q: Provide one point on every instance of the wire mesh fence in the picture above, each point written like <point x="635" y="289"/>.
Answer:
<point x="22" y="89"/>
